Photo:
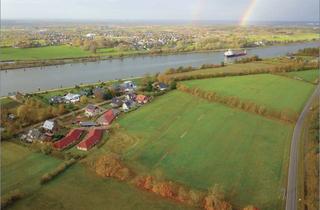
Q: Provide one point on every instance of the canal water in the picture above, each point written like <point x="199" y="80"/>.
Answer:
<point x="44" y="78"/>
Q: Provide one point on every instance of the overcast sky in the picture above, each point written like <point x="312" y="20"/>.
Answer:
<point x="264" y="10"/>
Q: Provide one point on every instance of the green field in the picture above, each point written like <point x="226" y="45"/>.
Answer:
<point x="201" y="144"/>
<point x="309" y="76"/>
<point x="21" y="168"/>
<point x="52" y="52"/>
<point x="272" y="91"/>
<point x="57" y="52"/>
<point x="7" y="102"/>
<point x="76" y="188"/>
<point x="284" y="38"/>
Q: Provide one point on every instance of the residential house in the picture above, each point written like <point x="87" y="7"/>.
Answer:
<point x="108" y="117"/>
<point x="162" y="86"/>
<point x="142" y="99"/>
<point x="128" y="86"/>
<point x="116" y="102"/>
<point x="128" y="105"/>
<point x="33" y="134"/>
<point x="72" y="98"/>
<point x="131" y="96"/>
<point x="56" y="100"/>
<point x="49" y="125"/>
<point x="92" y="110"/>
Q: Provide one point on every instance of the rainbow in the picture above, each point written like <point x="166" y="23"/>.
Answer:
<point x="199" y="8"/>
<point x="247" y="13"/>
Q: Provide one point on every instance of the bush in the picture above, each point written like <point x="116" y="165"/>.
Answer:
<point x="60" y="168"/>
<point x="10" y="198"/>
<point x="249" y="106"/>
<point x="110" y="166"/>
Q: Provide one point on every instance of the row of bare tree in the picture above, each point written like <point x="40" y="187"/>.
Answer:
<point x="235" y="102"/>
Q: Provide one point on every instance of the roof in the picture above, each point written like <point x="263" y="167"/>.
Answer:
<point x="116" y="101"/>
<point x="91" y="108"/>
<point x="92" y="138"/>
<point x="109" y="116"/>
<point x="48" y="124"/>
<point x="71" y="96"/>
<point x="162" y="85"/>
<point x="141" y="97"/>
<point x="88" y="124"/>
<point x="69" y="139"/>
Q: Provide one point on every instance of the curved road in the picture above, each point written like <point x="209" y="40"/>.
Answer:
<point x="291" y="201"/>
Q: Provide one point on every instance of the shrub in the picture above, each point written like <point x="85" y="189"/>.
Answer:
<point x="60" y="168"/>
<point x="10" y="198"/>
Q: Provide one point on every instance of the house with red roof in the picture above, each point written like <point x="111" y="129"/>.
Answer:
<point x="108" y="117"/>
<point x="142" y="99"/>
<point x="91" y="139"/>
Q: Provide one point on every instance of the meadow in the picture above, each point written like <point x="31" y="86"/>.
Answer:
<point x="42" y="53"/>
<point x="78" y="188"/>
<point x="200" y="144"/>
<point x="21" y="168"/>
<point x="284" y="37"/>
<point x="309" y="76"/>
<point x="272" y="91"/>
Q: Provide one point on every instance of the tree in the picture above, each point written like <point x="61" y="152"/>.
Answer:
<point x="61" y="109"/>
<point x="84" y="99"/>
<point x="22" y="112"/>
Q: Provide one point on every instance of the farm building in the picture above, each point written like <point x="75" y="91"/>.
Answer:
<point x="91" y="139"/>
<point x="108" y="117"/>
<point x="92" y="110"/>
<point x="88" y="124"/>
<point x="72" y="137"/>
<point x="142" y="99"/>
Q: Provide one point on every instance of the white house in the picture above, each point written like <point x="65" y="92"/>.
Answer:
<point x="73" y="98"/>
<point x="49" y="125"/>
<point x="129" y="86"/>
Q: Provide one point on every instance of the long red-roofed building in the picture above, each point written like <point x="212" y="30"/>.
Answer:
<point x="91" y="139"/>
<point x="72" y="137"/>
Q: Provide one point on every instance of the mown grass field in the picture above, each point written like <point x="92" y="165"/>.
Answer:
<point x="201" y="144"/>
<point x="51" y="52"/>
<point x="309" y="76"/>
<point x="21" y="168"/>
<point x="276" y="92"/>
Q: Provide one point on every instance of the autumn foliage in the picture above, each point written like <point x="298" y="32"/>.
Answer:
<point x="111" y="166"/>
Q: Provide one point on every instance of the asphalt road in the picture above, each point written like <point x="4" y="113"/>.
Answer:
<point x="291" y="201"/>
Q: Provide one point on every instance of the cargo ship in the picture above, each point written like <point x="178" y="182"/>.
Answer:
<point x="230" y="53"/>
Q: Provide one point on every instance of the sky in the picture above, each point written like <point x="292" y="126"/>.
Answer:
<point x="231" y="10"/>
